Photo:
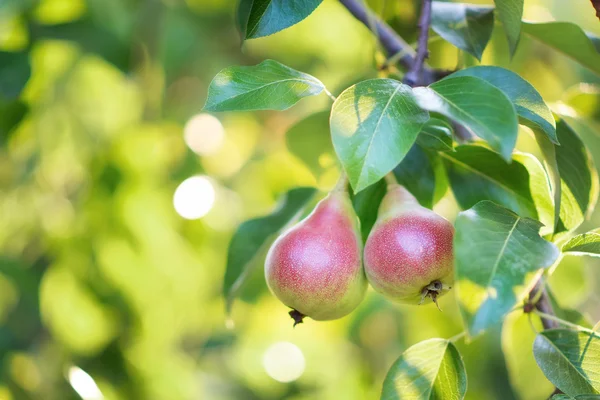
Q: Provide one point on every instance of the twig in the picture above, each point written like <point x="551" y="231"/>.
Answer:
<point x="542" y="304"/>
<point x="413" y="76"/>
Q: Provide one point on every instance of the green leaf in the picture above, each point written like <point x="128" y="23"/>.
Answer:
<point x="568" y="38"/>
<point x="510" y="13"/>
<point x="477" y="105"/>
<point x="242" y="15"/>
<point x="423" y="175"/>
<point x="497" y="256"/>
<point x="549" y="152"/>
<point x="586" y="244"/>
<point x="255" y="235"/>
<point x="466" y="26"/>
<point x="579" y="188"/>
<point x="310" y="141"/>
<point x="432" y="369"/>
<point x="436" y="134"/>
<point x="12" y="113"/>
<point x="270" y="16"/>
<point x="266" y="86"/>
<point x="580" y="397"/>
<point x="373" y="125"/>
<point x="569" y="359"/>
<point x="366" y="204"/>
<point x="517" y="342"/>
<point x="15" y="71"/>
<point x="531" y="108"/>
<point x="477" y="173"/>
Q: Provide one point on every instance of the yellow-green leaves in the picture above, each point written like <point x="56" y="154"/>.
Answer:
<point x="266" y="86"/>
<point x="373" y="126"/>
<point x="497" y="254"/>
<point x="432" y="369"/>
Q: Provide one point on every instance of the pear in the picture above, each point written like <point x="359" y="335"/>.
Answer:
<point x="408" y="255"/>
<point x="316" y="266"/>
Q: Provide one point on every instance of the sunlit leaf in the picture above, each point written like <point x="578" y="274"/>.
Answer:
<point x="497" y="255"/>
<point x="509" y="13"/>
<point x="517" y="343"/>
<point x="531" y="108"/>
<point x="266" y="86"/>
<point x="432" y="369"/>
<point x="255" y="235"/>
<point x="586" y="244"/>
<point x="477" y="105"/>
<point x="584" y="99"/>
<point x="467" y="26"/>
<point x="373" y="125"/>
<point x="568" y="38"/>
<point x="270" y="16"/>
<point x="569" y="359"/>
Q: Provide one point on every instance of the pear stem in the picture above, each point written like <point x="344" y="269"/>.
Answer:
<point x="342" y="184"/>
<point x="391" y="179"/>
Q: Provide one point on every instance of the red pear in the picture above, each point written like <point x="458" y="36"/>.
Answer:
<point x="316" y="266"/>
<point x="408" y="254"/>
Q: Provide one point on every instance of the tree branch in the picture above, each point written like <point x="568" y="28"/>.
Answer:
<point x="543" y="303"/>
<point x="413" y="76"/>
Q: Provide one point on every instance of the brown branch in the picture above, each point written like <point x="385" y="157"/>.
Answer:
<point x="414" y="75"/>
<point x="543" y="303"/>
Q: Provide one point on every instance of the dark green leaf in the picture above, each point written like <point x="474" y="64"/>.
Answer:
<point x="510" y="13"/>
<point x="310" y="141"/>
<point x="531" y="108"/>
<point x="373" y="125"/>
<point x="266" y="86"/>
<point x="586" y="244"/>
<point x="255" y="235"/>
<point x="15" y="70"/>
<point x="477" y="105"/>
<point x="242" y="15"/>
<point x="477" y="173"/>
<point x="11" y="113"/>
<point x="436" y="134"/>
<point x="432" y="369"/>
<point x="569" y="359"/>
<point x="549" y="152"/>
<point x="497" y="255"/>
<point x="580" y="397"/>
<point x="467" y="26"/>
<point x="568" y="38"/>
<point x="270" y="16"/>
<point x="579" y="188"/>
<point x="366" y="204"/>
<point x="422" y="174"/>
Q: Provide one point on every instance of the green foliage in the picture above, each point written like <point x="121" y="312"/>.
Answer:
<point x="569" y="359"/>
<point x="497" y="255"/>
<point x="531" y="108"/>
<point x="586" y="244"/>
<point x="366" y="204"/>
<point x="14" y="73"/>
<point x="509" y="13"/>
<point x="310" y="141"/>
<point x="373" y="126"/>
<point x="467" y="26"/>
<point x="569" y="39"/>
<point x="260" y="18"/>
<point x="436" y="134"/>
<point x="432" y="369"/>
<point x="266" y="86"/>
<point x="252" y="237"/>
<point x="477" y="105"/>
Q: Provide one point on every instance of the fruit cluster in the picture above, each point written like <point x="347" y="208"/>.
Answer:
<point x="316" y="267"/>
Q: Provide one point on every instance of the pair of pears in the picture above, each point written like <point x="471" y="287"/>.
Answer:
<point x="316" y="267"/>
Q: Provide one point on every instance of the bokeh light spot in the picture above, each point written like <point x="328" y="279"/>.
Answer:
<point x="204" y="134"/>
<point x="194" y="197"/>
<point x="84" y="384"/>
<point x="284" y="362"/>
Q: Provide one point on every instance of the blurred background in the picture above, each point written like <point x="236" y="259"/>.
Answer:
<point x="118" y="198"/>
